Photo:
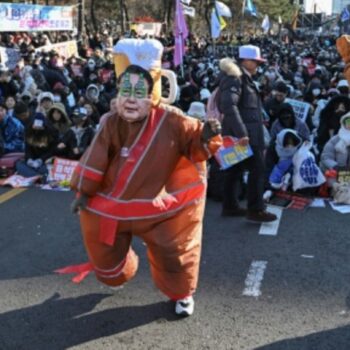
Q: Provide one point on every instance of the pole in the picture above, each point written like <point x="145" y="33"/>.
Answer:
<point x="242" y="19"/>
<point x="80" y="17"/>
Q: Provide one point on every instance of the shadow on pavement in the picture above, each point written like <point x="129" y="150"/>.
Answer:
<point x="62" y="323"/>
<point x="334" y="339"/>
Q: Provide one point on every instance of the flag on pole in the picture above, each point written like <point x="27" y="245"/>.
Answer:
<point x="180" y="34"/>
<point x="345" y="15"/>
<point x="222" y="9"/>
<point x="217" y="23"/>
<point x="250" y="8"/>
<point x="189" y="10"/>
<point x="265" y="25"/>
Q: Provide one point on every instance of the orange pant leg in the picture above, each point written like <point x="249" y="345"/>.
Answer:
<point x="174" y="249"/>
<point x="113" y="265"/>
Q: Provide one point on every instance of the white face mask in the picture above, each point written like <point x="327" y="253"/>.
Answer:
<point x="57" y="98"/>
<point x="316" y="92"/>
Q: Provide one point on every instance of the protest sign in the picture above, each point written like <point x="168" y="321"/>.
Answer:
<point x="301" y="109"/>
<point x="25" y="17"/>
<point x="152" y="28"/>
<point x="231" y="153"/>
<point x="9" y="57"/>
<point x="343" y="175"/>
<point x="62" y="170"/>
<point x="66" y="49"/>
<point x="17" y="181"/>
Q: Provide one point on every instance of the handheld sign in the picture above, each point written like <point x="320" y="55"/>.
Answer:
<point x="231" y="153"/>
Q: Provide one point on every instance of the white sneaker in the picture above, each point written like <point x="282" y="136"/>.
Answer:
<point x="184" y="307"/>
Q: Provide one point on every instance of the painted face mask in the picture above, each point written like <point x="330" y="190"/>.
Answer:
<point x="139" y="91"/>
<point x="133" y="100"/>
<point x="346" y="123"/>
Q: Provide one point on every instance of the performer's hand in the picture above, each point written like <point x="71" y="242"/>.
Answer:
<point x="212" y="127"/>
<point x="243" y="141"/>
<point x="79" y="203"/>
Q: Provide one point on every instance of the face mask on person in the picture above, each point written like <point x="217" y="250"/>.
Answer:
<point x="316" y="92"/>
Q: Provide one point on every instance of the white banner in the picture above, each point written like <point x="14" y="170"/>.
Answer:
<point x="66" y="49"/>
<point x="28" y="18"/>
<point x="189" y="11"/>
<point x="152" y="29"/>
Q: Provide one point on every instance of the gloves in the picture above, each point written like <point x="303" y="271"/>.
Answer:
<point x="79" y="203"/>
<point x="34" y="163"/>
<point x="37" y="163"/>
<point x="211" y="128"/>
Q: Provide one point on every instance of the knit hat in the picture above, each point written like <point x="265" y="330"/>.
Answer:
<point x="197" y="110"/>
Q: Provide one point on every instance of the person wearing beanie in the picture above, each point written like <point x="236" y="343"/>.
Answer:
<point x="286" y="118"/>
<point x="40" y="143"/>
<point x="197" y="110"/>
<point x="272" y="105"/>
<point x="22" y="112"/>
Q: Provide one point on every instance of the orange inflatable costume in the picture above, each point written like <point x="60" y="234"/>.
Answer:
<point x="145" y="179"/>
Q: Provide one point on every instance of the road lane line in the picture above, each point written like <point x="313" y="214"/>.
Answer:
<point x="254" y="278"/>
<point x="10" y="194"/>
<point x="271" y="228"/>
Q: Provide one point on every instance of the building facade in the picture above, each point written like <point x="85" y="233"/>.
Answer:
<point x="338" y="5"/>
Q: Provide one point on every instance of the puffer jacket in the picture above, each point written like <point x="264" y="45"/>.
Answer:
<point x="240" y="102"/>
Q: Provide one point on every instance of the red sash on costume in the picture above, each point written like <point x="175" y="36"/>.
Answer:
<point x="108" y="226"/>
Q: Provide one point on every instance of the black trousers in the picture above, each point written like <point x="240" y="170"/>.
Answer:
<point x="256" y="182"/>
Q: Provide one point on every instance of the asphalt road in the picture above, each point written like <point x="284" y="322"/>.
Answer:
<point x="304" y="301"/>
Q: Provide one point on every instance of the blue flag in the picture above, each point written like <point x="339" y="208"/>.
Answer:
<point x="345" y="15"/>
<point x="250" y="8"/>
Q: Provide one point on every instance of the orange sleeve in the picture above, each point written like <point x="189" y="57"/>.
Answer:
<point x="193" y="147"/>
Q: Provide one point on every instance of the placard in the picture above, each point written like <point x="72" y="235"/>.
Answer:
<point x="232" y="153"/>
<point x="63" y="169"/>
<point x="301" y="109"/>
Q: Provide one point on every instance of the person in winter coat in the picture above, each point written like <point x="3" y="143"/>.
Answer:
<point x="12" y="132"/>
<point x="286" y="144"/>
<point x="59" y="119"/>
<point x="336" y="152"/>
<point x="239" y="102"/>
<point x="286" y="118"/>
<point x="273" y="104"/>
<point x="81" y="132"/>
<point x="329" y="119"/>
<point x="40" y="144"/>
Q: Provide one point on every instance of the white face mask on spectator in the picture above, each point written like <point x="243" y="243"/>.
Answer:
<point x="316" y="92"/>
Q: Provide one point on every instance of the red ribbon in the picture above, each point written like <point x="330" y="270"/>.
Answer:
<point x="81" y="271"/>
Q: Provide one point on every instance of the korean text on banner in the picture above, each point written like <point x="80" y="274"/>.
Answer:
<point x="66" y="49"/>
<point x="28" y="18"/>
<point x="63" y="169"/>
<point x="232" y="153"/>
<point x="301" y="109"/>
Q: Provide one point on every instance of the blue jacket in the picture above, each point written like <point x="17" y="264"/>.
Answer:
<point x="12" y="132"/>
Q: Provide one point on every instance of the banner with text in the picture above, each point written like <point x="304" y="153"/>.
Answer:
<point x="66" y="49"/>
<point x="23" y="17"/>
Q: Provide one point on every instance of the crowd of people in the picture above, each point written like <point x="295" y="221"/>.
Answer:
<point x="52" y="105"/>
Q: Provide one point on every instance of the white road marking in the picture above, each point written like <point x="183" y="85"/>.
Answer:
<point x="307" y="256"/>
<point x="271" y="228"/>
<point x="254" y="279"/>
